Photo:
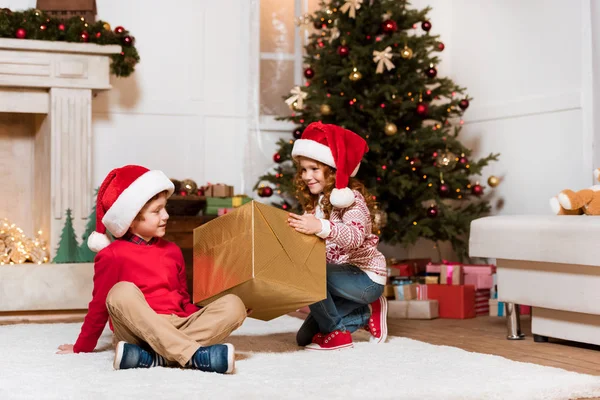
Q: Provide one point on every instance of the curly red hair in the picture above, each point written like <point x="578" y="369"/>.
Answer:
<point x="308" y="201"/>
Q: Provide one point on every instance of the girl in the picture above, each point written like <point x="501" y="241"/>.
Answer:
<point x="338" y="209"/>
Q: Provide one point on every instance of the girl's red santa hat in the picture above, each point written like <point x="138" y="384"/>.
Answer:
<point x="337" y="147"/>
<point x="121" y="196"/>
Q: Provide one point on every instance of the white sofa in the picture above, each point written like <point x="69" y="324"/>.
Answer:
<point x="551" y="263"/>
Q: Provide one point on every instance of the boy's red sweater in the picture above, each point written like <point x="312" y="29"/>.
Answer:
<point x="157" y="269"/>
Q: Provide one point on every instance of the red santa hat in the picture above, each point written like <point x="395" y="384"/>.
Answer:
<point x="121" y="196"/>
<point x="337" y="147"/>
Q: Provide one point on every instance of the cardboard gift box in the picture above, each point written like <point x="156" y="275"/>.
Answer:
<point x="456" y="301"/>
<point x="405" y="292"/>
<point x="413" y="309"/>
<point x="451" y="274"/>
<point x="216" y="205"/>
<point x="218" y="190"/>
<point x="482" y="306"/>
<point x="404" y="270"/>
<point x="479" y="275"/>
<point x="432" y="280"/>
<point x="388" y="291"/>
<point x="253" y="253"/>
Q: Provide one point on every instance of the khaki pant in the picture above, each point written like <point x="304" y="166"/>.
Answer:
<point x="175" y="338"/>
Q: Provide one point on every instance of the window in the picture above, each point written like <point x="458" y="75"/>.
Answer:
<point x="281" y="50"/>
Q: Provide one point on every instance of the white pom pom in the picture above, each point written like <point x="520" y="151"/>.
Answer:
<point x="97" y="241"/>
<point x="342" y="198"/>
<point x="555" y="205"/>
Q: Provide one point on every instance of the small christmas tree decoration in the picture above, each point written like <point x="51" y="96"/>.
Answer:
<point x="277" y="157"/>
<point x="84" y="254"/>
<point x="463" y="160"/>
<point x="296" y="100"/>
<point x="119" y="30"/>
<point x="297" y="133"/>
<point x="431" y="72"/>
<point x="106" y="26"/>
<point x="406" y="53"/>
<point x="444" y="189"/>
<point x="68" y="248"/>
<point x="383" y="59"/>
<point x="188" y="186"/>
<point x="355" y="75"/>
<point x="21" y="33"/>
<point x="432" y="211"/>
<point x="493" y="181"/>
<point x="422" y="109"/>
<point x="441" y="46"/>
<point x="265" y="191"/>
<point x="477" y="189"/>
<point x="446" y="161"/>
<point x="309" y="73"/>
<point x="389" y="26"/>
<point x="350" y="7"/>
<point x="343" y="50"/>
<point x="391" y="129"/>
<point x="463" y="104"/>
<point x="426" y="26"/>
<point x="325" y="109"/>
<point x="84" y="36"/>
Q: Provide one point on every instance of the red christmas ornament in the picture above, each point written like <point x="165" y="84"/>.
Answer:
<point x="444" y="189"/>
<point x="98" y="34"/>
<point x="277" y="157"/>
<point x="463" y="160"/>
<point x="343" y="50"/>
<point x="84" y="36"/>
<point x="422" y="109"/>
<point x="21" y="33"/>
<point x="43" y="27"/>
<point x="127" y="40"/>
<point x="285" y="206"/>
<point x="431" y="72"/>
<point x="297" y="134"/>
<point x="119" y="29"/>
<point x="441" y="46"/>
<point x="61" y="27"/>
<point x="318" y="24"/>
<point x="309" y="73"/>
<point x="426" y="26"/>
<point x="477" y="190"/>
<point x="266" y="191"/>
<point x="432" y="211"/>
<point x="463" y="104"/>
<point x="389" y="26"/>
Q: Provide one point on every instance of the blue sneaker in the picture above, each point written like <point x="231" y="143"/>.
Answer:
<point x="129" y="355"/>
<point x="216" y="358"/>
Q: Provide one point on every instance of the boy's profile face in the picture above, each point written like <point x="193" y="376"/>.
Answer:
<point x="152" y="221"/>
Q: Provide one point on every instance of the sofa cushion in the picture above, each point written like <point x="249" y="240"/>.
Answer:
<point x="544" y="238"/>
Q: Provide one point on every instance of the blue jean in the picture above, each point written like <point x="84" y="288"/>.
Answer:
<point x="349" y="293"/>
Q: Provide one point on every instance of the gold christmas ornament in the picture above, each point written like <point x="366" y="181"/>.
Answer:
<point x="355" y="75"/>
<point x="493" y="181"/>
<point x="380" y="218"/>
<point x="106" y="26"/>
<point x="446" y="161"/>
<point x="406" y="53"/>
<point x="189" y="186"/>
<point x="391" y="129"/>
<point x="325" y="109"/>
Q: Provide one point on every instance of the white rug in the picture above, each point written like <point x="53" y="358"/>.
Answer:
<point x="270" y="365"/>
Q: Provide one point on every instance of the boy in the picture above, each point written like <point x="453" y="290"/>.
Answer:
<point x="140" y="283"/>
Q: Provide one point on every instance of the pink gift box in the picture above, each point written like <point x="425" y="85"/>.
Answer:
<point x="479" y="281"/>
<point x="433" y="268"/>
<point x="486" y="269"/>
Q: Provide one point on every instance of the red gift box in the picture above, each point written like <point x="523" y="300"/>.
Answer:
<point x="455" y="301"/>
<point x="482" y="305"/>
<point x="402" y="270"/>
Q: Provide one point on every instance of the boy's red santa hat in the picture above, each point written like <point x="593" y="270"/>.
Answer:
<point x="337" y="147"/>
<point x="121" y="196"/>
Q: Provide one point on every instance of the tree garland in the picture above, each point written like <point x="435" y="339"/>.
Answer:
<point x="35" y="24"/>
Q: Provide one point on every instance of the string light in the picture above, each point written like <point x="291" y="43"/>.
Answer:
<point x="17" y="248"/>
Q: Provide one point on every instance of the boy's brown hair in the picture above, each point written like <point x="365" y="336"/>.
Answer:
<point x="139" y="216"/>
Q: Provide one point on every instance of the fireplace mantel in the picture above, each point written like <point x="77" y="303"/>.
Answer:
<point x="55" y="79"/>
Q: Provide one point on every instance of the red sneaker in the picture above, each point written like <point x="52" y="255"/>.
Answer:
<point x="333" y="341"/>
<point x="378" y="321"/>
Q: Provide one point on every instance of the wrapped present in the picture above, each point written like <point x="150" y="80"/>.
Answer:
<point x="218" y="190"/>
<point x="421" y="290"/>
<point x="405" y="270"/>
<point x="413" y="309"/>
<point x="482" y="306"/>
<point x="432" y="280"/>
<point x="405" y="292"/>
<point x="432" y="269"/>
<point x="525" y="310"/>
<point x="451" y="274"/>
<point x="479" y="276"/>
<point x="253" y="253"/>
<point x="456" y="301"/>
<point x="216" y="205"/>
<point x="497" y="308"/>
<point x="388" y="291"/>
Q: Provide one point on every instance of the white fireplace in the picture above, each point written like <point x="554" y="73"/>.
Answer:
<point x="46" y="91"/>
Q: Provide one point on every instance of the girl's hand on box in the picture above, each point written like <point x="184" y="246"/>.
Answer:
<point x="307" y="223"/>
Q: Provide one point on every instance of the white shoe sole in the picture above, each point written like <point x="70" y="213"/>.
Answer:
<point x="314" y="346"/>
<point x="118" y="355"/>
<point x="383" y="327"/>
<point x="230" y="358"/>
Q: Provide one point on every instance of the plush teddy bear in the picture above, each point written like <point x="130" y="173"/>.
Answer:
<point x="586" y="201"/>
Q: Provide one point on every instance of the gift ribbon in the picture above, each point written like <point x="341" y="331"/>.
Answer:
<point x="350" y="7"/>
<point x="383" y="59"/>
<point x="236" y="201"/>
<point x="449" y="271"/>
<point x="298" y="96"/>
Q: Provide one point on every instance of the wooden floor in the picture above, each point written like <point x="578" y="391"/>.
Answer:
<point x="481" y="335"/>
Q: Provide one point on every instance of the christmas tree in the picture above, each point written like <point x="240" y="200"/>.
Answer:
<point x="371" y="68"/>
<point x="68" y="246"/>
<point x="84" y="252"/>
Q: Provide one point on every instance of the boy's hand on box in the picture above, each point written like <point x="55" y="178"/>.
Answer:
<point x="307" y="223"/>
<point x="65" y="349"/>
